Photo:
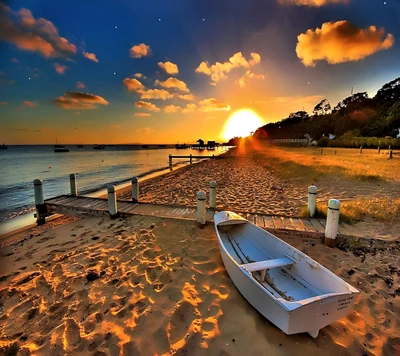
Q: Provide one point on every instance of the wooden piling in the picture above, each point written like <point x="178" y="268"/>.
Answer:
<point x="135" y="189"/>
<point x="332" y="222"/>
<point x="40" y="207"/>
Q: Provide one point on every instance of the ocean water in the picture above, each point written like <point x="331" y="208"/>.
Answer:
<point x="20" y="165"/>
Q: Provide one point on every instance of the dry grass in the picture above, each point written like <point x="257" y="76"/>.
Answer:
<point x="308" y="163"/>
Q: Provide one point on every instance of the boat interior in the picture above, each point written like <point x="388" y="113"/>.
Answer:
<point x="274" y="264"/>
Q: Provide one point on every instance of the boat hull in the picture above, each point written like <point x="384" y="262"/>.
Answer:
<point x="309" y="315"/>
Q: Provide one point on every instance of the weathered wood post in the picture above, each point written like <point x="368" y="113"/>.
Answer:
<point x="170" y="162"/>
<point x="332" y="222"/>
<point x="112" y="202"/>
<point x="213" y="156"/>
<point x="390" y="147"/>
<point x="360" y="150"/>
<point x="390" y="154"/>
<point x="213" y="194"/>
<point x="201" y="208"/>
<point x="39" y="202"/>
<point x="312" y="200"/>
<point x="334" y="152"/>
<point x="322" y="151"/>
<point x="135" y="189"/>
<point x="191" y="158"/>
<point x="379" y="150"/>
<point x="72" y="184"/>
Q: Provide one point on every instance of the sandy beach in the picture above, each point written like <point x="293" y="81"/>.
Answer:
<point x="152" y="286"/>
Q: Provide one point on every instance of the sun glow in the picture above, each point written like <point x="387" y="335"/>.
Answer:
<point x="241" y="123"/>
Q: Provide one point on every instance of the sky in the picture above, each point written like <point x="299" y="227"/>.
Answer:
<point x="175" y="71"/>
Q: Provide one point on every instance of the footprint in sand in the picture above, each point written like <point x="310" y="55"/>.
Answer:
<point x="181" y="321"/>
<point x="72" y="332"/>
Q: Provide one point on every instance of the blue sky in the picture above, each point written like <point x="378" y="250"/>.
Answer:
<point x="35" y="107"/>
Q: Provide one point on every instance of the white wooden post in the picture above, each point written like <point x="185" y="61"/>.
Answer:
<point x="213" y="194"/>
<point x="360" y="150"/>
<point x="332" y="222"/>
<point x="39" y="202"/>
<point x="390" y="154"/>
<point x="170" y="162"/>
<point x="112" y="201"/>
<point x="312" y="200"/>
<point x="72" y="184"/>
<point x="135" y="189"/>
<point x="190" y="158"/>
<point x="201" y="208"/>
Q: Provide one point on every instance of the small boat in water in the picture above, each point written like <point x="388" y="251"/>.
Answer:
<point x="99" y="147"/>
<point x="4" y="147"/>
<point x="290" y="289"/>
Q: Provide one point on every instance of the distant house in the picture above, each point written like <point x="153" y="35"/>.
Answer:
<point x="200" y="142"/>
<point x="211" y="144"/>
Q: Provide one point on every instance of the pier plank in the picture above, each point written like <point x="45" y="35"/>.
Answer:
<point x="278" y="222"/>
<point x="308" y="226"/>
<point x="269" y="222"/>
<point x="260" y="221"/>
<point x="287" y="223"/>
<point x="317" y="225"/>
<point x="298" y="224"/>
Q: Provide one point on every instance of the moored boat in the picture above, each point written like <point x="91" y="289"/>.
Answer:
<point x="99" y="147"/>
<point x="4" y="147"/>
<point x="290" y="289"/>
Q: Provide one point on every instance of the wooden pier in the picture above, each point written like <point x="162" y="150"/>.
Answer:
<point x="80" y="205"/>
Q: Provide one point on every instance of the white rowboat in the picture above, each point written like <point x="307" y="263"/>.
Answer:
<point x="290" y="289"/>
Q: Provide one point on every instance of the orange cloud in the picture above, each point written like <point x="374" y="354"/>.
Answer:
<point x="60" y="68"/>
<point x="80" y="85"/>
<point x="147" y="105"/>
<point x="213" y="104"/>
<point x="156" y="94"/>
<point x="312" y="99"/>
<point x="133" y="84"/>
<point x="140" y="50"/>
<point x="189" y="97"/>
<point x="29" y="104"/>
<point x="169" y="67"/>
<point x="138" y="75"/>
<point x="341" y="41"/>
<point x="90" y="56"/>
<point x="189" y="108"/>
<point x="218" y="71"/>
<point x="142" y="114"/>
<point x="146" y="130"/>
<point x="78" y="100"/>
<point x="171" y="108"/>
<point x="242" y="81"/>
<point x="173" y="83"/>
<point x="315" y="3"/>
<point x="30" y="34"/>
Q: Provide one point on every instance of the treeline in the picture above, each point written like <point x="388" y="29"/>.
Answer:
<point x="356" y="120"/>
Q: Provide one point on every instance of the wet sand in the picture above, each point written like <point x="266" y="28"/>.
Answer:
<point x="151" y="286"/>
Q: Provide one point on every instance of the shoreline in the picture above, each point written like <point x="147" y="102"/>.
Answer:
<point x="26" y="221"/>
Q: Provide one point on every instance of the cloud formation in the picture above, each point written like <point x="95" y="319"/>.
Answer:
<point x="140" y="50"/>
<point x="188" y="97"/>
<point x="173" y="83"/>
<point x="142" y="114"/>
<point x="78" y="100"/>
<point x="169" y="67"/>
<point x="218" y="71"/>
<point x="138" y="75"/>
<point x="189" y="108"/>
<point x="3" y="103"/>
<point x="341" y="41"/>
<point x="300" y="100"/>
<point x="147" y="105"/>
<point x="133" y="84"/>
<point x="34" y="35"/>
<point x="171" y="108"/>
<point x="29" y="104"/>
<point x="315" y="3"/>
<point x="80" y="85"/>
<point x="60" y="68"/>
<point x="242" y="81"/>
<point x="90" y="56"/>
<point x="213" y="104"/>
<point x="156" y="94"/>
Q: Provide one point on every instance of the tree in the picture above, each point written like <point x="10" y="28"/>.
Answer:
<point x="355" y="98"/>
<point x="299" y="116"/>
<point x="390" y="91"/>
<point x="322" y="108"/>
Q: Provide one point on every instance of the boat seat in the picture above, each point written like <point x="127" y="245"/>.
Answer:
<point x="267" y="264"/>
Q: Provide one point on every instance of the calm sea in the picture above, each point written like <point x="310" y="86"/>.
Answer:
<point x="20" y="165"/>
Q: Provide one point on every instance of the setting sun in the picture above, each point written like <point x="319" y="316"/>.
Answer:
<point x="241" y="123"/>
